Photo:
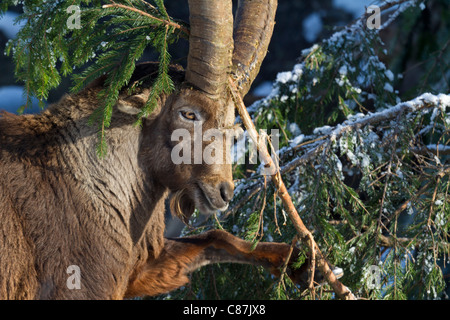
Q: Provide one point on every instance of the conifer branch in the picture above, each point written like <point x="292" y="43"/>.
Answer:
<point x="143" y="13"/>
<point x="305" y="235"/>
<point x="318" y="145"/>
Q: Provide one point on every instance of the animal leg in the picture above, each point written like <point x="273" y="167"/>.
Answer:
<point x="181" y="256"/>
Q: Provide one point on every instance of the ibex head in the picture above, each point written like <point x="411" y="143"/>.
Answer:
<point x="218" y="50"/>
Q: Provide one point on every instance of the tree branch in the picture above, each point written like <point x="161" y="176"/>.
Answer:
<point x="143" y="13"/>
<point x="318" y="144"/>
<point x="305" y="235"/>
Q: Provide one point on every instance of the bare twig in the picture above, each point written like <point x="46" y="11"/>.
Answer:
<point x="286" y="262"/>
<point x="391" y="241"/>
<point x="312" y="267"/>
<point x="429" y="221"/>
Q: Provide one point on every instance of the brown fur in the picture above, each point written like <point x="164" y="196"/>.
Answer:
<point x="60" y="205"/>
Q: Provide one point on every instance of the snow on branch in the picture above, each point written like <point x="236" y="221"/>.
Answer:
<point x="311" y="146"/>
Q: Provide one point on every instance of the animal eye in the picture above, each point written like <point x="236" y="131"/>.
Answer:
<point x="189" y="115"/>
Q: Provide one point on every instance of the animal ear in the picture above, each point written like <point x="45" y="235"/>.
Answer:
<point x="181" y="205"/>
<point x="126" y="108"/>
<point x="132" y="104"/>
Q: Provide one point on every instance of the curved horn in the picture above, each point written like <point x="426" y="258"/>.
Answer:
<point x="210" y="45"/>
<point x="253" y="30"/>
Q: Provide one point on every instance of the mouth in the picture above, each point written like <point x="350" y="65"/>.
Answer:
<point x="207" y="203"/>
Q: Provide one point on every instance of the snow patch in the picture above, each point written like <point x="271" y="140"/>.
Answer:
<point x="283" y="77"/>
<point x="297" y="140"/>
<point x="263" y="89"/>
<point x="388" y="87"/>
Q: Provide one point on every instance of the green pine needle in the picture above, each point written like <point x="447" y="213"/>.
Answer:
<point x="112" y="38"/>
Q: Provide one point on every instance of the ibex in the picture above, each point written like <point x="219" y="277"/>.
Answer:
<point x="62" y="206"/>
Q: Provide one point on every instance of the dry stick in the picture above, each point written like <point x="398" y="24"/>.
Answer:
<point x="433" y="198"/>
<point x="261" y="220"/>
<point x="312" y="263"/>
<point x="286" y="262"/>
<point x="305" y="235"/>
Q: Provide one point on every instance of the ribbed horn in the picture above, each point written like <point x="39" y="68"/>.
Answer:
<point x="253" y="30"/>
<point x="210" y="45"/>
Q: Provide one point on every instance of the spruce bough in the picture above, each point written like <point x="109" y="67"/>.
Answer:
<point x="109" y="40"/>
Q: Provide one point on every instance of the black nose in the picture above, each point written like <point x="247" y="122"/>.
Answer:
<point x="226" y="191"/>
